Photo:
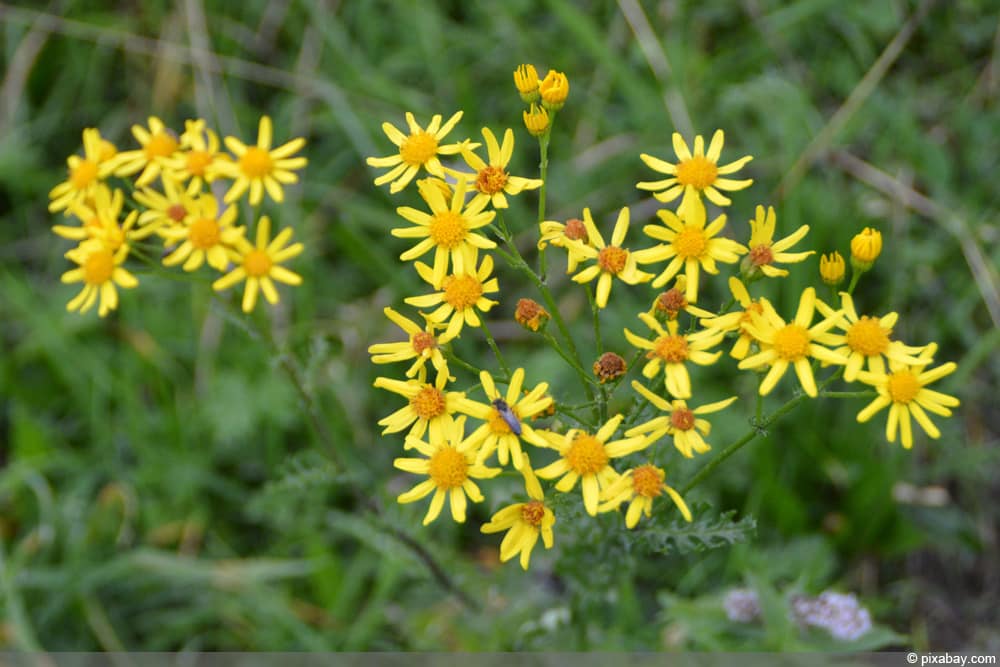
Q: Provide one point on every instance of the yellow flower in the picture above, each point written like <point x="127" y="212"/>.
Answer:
<point x="764" y="252"/>
<point x="613" y="261"/>
<point x="695" y="173"/>
<point x="205" y="235"/>
<point x="446" y="229"/>
<point x="420" y="148"/>
<point x="85" y="173"/>
<point x="199" y="156"/>
<point x="157" y="144"/>
<point x="866" y="338"/>
<point x="99" y="218"/>
<point x="526" y="81"/>
<point x="641" y="485"/>
<point x="260" y="167"/>
<point x="669" y="304"/>
<point x="460" y="296"/>
<point x="737" y="320"/>
<point x="792" y="343"/>
<point x="554" y="89"/>
<point x="100" y="269"/>
<point x="524" y="523"/>
<point x="450" y="467"/>
<point x="904" y="390"/>
<point x="587" y="458"/>
<point x="680" y="422"/>
<point x="429" y="408"/>
<point x="865" y="248"/>
<point x="422" y="345"/>
<point x="492" y="180"/>
<point x="570" y="236"/>
<point x="496" y="434"/>
<point x="536" y="119"/>
<point x="689" y="245"/>
<point x="260" y="265"/>
<point x="673" y="350"/>
<point x="832" y="268"/>
<point x="164" y="210"/>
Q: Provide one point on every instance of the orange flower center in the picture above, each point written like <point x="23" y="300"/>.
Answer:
<point x="530" y="314"/>
<point x="698" y="172"/>
<point x="647" y="481"/>
<point x="176" y="212"/>
<point x="257" y="263"/>
<point x="204" y="233"/>
<point x="448" y="229"/>
<point x="690" y="243"/>
<point x="791" y="342"/>
<point x="448" y="468"/>
<point x="903" y="386"/>
<point x="672" y="349"/>
<point x="575" y="230"/>
<point x="423" y="341"/>
<point x="868" y="337"/>
<point x="418" y="148"/>
<point x="429" y="402"/>
<point x="609" y="366"/>
<point x="612" y="259"/>
<point x="197" y="161"/>
<point x="586" y="455"/>
<point x="491" y="180"/>
<point x="98" y="267"/>
<point x="461" y="292"/>
<point x="682" y="419"/>
<point x="83" y="175"/>
<point x="761" y="255"/>
<point x="160" y="144"/>
<point x="671" y="302"/>
<point x="532" y="513"/>
<point x="256" y="163"/>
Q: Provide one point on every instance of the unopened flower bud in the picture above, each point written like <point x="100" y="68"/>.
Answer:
<point x="536" y="120"/>
<point x="526" y="80"/>
<point x="832" y="268"/>
<point x="554" y="90"/>
<point x="530" y="314"/>
<point x="865" y="248"/>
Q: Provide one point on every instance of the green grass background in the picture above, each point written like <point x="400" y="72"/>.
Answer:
<point x="162" y="485"/>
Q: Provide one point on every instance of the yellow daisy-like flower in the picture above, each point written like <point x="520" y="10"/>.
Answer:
<point x="570" y="236"/>
<point x="737" y="320"/>
<point x="100" y="270"/>
<point x="85" y="173"/>
<point x="641" y="485"/>
<point x="673" y="350"/>
<point x="504" y="427"/>
<point x="791" y="344"/>
<point x="158" y="143"/>
<point x="668" y="305"/>
<point x="260" y="264"/>
<point x="419" y="148"/>
<point x="492" y="179"/>
<point x="205" y="235"/>
<point x="460" y="295"/>
<point x="450" y="467"/>
<point x="764" y="251"/>
<point x="613" y="261"/>
<point x="867" y="339"/>
<point x="260" y="167"/>
<point x="422" y="345"/>
<point x="199" y="156"/>
<point x="904" y="390"/>
<point x="680" y="422"/>
<point x="694" y="173"/>
<point x="446" y="229"/>
<point x="429" y="409"/>
<point x="689" y="245"/>
<point x="524" y="523"/>
<point x="165" y="210"/>
<point x="587" y="458"/>
<point x="98" y="216"/>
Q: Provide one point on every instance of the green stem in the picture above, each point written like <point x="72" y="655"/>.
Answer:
<point x="543" y="173"/>
<point x="595" y="312"/>
<point x="848" y="394"/>
<point x="855" y="277"/>
<point x="461" y="362"/>
<point x="574" y="363"/>
<point x="493" y="346"/>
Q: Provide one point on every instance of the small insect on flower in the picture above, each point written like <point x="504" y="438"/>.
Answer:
<point x="507" y="415"/>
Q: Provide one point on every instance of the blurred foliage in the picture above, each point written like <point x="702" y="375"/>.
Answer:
<point x="163" y="485"/>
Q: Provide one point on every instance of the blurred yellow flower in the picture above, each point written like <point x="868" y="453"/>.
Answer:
<point x="199" y="156"/>
<point x="260" y="264"/>
<point x="157" y="142"/>
<point x="85" y="173"/>
<point x="260" y="167"/>
<point x="100" y="270"/>
<point x="204" y="235"/>
<point x="420" y="148"/>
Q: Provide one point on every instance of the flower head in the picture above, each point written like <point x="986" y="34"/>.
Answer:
<point x="673" y="350"/>
<point x="792" y="343"/>
<point x="612" y="260"/>
<point x="536" y="119"/>
<point x="450" y="466"/>
<point x="530" y="314"/>
<point x="571" y="236"/>
<point x="100" y="220"/>
<point x="205" y="235"/>
<point x="524" y="523"/>
<point x="832" y="268"/>
<point x="419" y="148"/>
<point x="587" y="457"/>
<point x="199" y="157"/>
<point x="157" y="142"/>
<point x="554" y="89"/>
<point x="639" y="486"/>
<point x="429" y="407"/>
<point x="492" y="179"/>
<point x="165" y="210"/>
<point x="609" y="366"/>
<point x="260" y="167"/>
<point x="460" y="295"/>
<point x="260" y="264"/>
<point x="865" y="248"/>
<point x="764" y="251"/>
<point x="504" y="426"/>
<point x="526" y="81"/>
<point x="695" y="172"/>
<point x="737" y="320"/>
<point x="680" y="422"/>
<point x="422" y="344"/>
<point x="85" y="173"/>
<point x="100" y="270"/>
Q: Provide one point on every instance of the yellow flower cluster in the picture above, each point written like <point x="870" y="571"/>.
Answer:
<point x="461" y="221"/>
<point x="172" y="180"/>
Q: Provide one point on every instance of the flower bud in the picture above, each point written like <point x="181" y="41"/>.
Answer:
<point x="865" y="248"/>
<point x="832" y="268"/>
<point x="530" y="314"/>
<point x="526" y="80"/>
<point x="609" y="366"/>
<point x="536" y="120"/>
<point x="554" y="90"/>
